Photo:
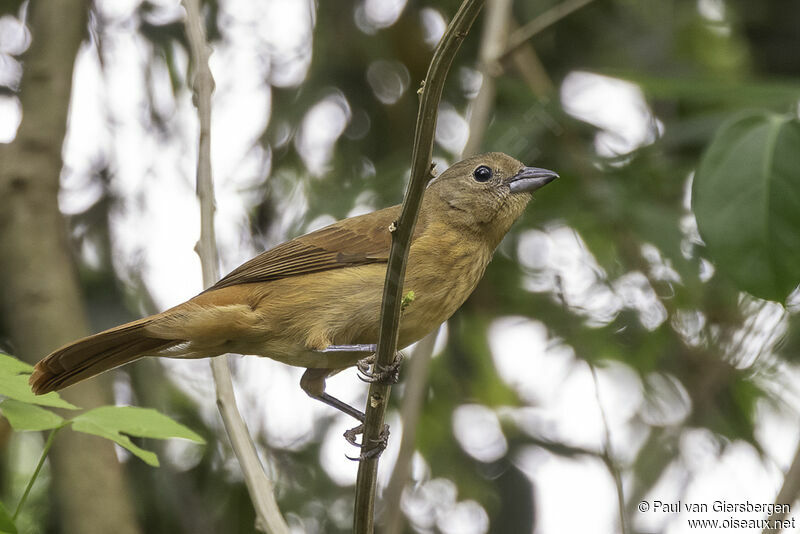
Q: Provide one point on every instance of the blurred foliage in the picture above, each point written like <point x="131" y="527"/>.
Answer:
<point x="746" y="198"/>
<point x="628" y="211"/>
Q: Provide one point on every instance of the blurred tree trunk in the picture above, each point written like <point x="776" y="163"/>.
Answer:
<point x="41" y="299"/>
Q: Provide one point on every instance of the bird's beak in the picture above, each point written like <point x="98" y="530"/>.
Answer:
<point x="530" y="179"/>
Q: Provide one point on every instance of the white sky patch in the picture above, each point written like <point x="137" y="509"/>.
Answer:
<point x="737" y="476"/>
<point x="10" y="118"/>
<point x="434" y="503"/>
<point x="365" y="203"/>
<point x="425" y="501"/>
<point x="478" y="431"/>
<point x="433" y="25"/>
<point x="282" y="27"/>
<point x="616" y="107"/>
<point x="465" y="517"/>
<point x="452" y="129"/>
<point x="560" y="392"/>
<point x="319" y="130"/>
<point x="14" y="36"/>
<point x="374" y="15"/>
<point x="667" y="402"/>
<point x="525" y="359"/>
<point x="117" y="10"/>
<point x="388" y="79"/>
<point x="558" y="261"/>
<point x="712" y="10"/>
<point x="571" y="496"/>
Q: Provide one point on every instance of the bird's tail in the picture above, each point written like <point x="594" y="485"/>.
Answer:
<point x="92" y="355"/>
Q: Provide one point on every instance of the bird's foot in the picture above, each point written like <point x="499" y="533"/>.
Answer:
<point x="370" y="372"/>
<point x="379" y="444"/>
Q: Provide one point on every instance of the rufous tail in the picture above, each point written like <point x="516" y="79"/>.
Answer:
<point x="95" y="354"/>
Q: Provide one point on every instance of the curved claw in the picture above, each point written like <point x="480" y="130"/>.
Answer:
<point x="380" y="443"/>
<point x="389" y="374"/>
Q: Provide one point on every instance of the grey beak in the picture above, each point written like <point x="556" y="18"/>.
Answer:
<point x="530" y="179"/>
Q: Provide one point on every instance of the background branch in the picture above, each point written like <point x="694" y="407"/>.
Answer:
<point x="268" y="516"/>
<point x="395" y="271"/>
<point x="493" y="42"/>
<point x="608" y="455"/>
<point x="788" y="493"/>
<point x="546" y="19"/>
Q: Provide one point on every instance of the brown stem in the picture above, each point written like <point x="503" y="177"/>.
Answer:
<point x="363" y="518"/>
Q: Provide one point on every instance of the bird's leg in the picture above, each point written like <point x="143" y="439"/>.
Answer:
<point x="313" y="383"/>
<point x="389" y="374"/>
<point x="369" y="347"/>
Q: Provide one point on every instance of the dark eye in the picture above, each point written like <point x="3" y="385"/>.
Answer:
<point x="482" y="173"/>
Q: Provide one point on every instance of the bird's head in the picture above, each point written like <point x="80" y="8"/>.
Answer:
<point x="487" y="192"/>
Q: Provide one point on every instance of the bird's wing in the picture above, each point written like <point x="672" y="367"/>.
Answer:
<point x="356" y="241"/>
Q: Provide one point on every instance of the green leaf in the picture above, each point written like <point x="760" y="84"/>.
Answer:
<point x="11" y="365"/>
<point x="24" y="416"/>
<point x="7" y="525"/>
<point x="90" y="427"/>
<point x="14" y="375"/>
<point x="112" y="422"/>
<point x="746" y="197"/>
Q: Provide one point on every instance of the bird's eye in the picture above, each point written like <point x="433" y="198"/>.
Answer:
<point x="482" y="173"/>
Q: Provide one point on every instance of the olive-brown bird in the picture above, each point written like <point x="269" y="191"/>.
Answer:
<point x="315" y="301"/>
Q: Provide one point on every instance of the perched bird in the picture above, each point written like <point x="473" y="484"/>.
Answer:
<point x="315" y="301"/>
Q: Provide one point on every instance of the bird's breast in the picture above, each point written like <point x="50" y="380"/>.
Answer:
<point x="444" y="267"/>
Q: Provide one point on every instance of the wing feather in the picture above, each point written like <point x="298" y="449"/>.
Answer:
<point x="355" y="241"/>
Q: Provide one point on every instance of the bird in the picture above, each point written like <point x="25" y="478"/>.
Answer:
<point x="314" y="301"/>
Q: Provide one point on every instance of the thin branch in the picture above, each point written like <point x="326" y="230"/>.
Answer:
<point x="45" y="450"/>
<point x="493" y="42"/>
<point x="413" y="400"/>
<point x="527" y="63"/>
<point x="540" y="23"/>
<point x="493" y="39"/>
<point x="268" y="516"/>
<point x="788" y="494"/>
<point x="498" y="14"/>
<point x="608" y="456"/>
<point x="366" y="482"/>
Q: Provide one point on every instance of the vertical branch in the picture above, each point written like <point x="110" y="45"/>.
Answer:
<point x="268" y="516"/>
<point x="788" y="494"/>
<point x="608" y="457"/>
<point x="493" y="42"/>
<point x="401" y="238"/>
